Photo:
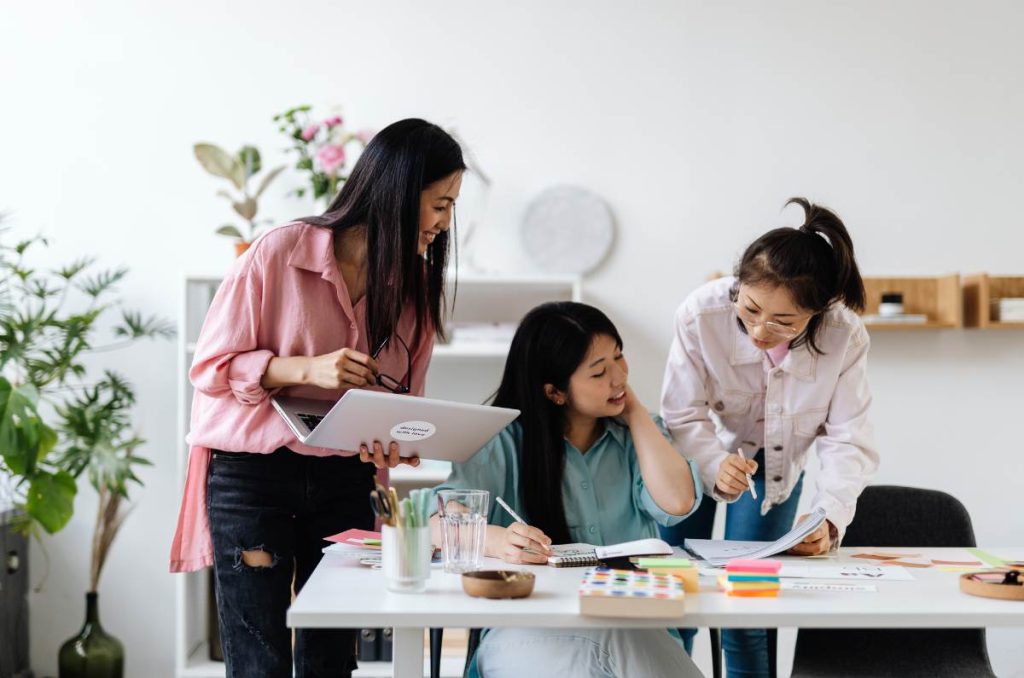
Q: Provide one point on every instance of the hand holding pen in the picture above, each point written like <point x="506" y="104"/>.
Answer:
<point x="734" y="475"/>
<point x="521" y="542"/>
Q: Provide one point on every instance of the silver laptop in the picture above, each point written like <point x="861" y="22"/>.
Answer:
<point x="432" y="429"/>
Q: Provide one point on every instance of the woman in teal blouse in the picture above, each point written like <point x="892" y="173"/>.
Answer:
<point x="584" y="462"/>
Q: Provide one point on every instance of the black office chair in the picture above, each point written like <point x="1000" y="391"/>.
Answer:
<point x="892" y="516"/>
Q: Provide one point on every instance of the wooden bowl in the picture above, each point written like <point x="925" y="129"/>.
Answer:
<point x="498" y="583"/>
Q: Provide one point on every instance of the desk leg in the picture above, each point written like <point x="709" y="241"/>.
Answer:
<point x="407" y="657"/>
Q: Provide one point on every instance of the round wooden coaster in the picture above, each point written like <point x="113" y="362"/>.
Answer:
<point x="991" y="589"/>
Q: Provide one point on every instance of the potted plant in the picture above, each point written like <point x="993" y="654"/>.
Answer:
<point x="321" y="150"/>
<point x="60" y="423"/>
<point x="238" y="169"/>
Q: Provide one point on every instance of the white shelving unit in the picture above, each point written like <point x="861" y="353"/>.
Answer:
<point x="462" y="371"/>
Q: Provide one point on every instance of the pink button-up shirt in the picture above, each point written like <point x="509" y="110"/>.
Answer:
<point x="284" y="297"/>
<point x="721" y="392"/>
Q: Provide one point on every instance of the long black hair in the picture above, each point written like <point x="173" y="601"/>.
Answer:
<point x="383" y="194"/>
<point x="815" y="263"/>
<point x="551" y="342"/>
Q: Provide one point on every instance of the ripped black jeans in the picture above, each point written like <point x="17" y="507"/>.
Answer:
<point x="283" y="504"/>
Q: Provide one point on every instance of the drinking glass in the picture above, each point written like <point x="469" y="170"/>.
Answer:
<point x="463" y="516"/>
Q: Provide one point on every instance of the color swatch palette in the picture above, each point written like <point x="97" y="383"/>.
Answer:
<point x="627" y="593"/>
<point x="751" y="578"/>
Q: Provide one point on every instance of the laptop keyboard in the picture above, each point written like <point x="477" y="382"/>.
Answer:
<point x="310" y="420"/>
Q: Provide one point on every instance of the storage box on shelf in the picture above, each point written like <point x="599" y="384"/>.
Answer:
<point x="466" y="370"/>
<point x="937" y="297"/>
<point x="982" y="293"/>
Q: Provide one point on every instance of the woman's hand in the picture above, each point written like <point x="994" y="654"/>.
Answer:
<point x="732" y="474"/>
<point x="345" y="368"/>
<point x="817" y="542"/>
<point x="517" y="537"/>
<point x="633" y="406"/>
<point x="389" y="460"/>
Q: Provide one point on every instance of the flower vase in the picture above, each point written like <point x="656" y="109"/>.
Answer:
<point x="240" y="247"/>
<point x="93" y="653"/>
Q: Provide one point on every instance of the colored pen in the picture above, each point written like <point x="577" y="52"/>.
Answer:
<point x="750" y="481"/>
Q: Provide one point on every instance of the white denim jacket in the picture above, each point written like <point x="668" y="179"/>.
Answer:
<point x="721" y="393"/>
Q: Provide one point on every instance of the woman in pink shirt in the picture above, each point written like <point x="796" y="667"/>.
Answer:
<point x="771" y="361"/>
<point x="349" y="299"/>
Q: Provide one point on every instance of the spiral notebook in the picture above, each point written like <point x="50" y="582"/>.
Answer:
<point x="578" y="555"/>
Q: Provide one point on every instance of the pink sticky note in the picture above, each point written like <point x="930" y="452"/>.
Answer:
<point x="353" y="536"/>
<point x="740" y="565"/>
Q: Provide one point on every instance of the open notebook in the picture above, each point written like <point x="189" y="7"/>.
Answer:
<point x="718" y="552"/>
<point x="573" y="555"/>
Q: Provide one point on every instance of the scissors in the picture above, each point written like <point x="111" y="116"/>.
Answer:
<point x="380" y="500"/>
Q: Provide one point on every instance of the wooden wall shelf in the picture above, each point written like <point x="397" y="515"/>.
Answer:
<point x="938" y="297"/>
<point x="981" y="290"/>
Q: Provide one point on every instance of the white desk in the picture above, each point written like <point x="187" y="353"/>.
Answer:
<point x="341" y="594"/>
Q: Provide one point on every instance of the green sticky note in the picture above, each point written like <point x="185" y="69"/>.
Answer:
<point x="371" y="542"/>
<point x="987" y="558"/>
<point x="648" y="563"/>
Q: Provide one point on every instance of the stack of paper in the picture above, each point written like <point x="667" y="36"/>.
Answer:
<point x="680" y="568"/>
<point x="354" y="543"/>
<point x="1008" y="310"/>
<point x="751" y="578"/>
<point x="629" y="593"/>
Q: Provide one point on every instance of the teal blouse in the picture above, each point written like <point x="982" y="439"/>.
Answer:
<point x="604" y="495"/>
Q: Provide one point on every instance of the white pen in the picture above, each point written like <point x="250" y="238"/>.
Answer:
<point x="509" y="509"/>
<point x="750" y="481"/>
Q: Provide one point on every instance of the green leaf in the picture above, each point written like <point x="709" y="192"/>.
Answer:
<point x="71" y="270"/>
<point x="249" y="158"/>
<point x="231" y="231"/>
<point x="51" y="499"/>
<point x="246" y="209"/>
<point x="135" y="326"/>
<point x="219" y="163"/>
<point x="95" y="286"/>
<point x="24" y="437"/>
<point x="267" y="178"/>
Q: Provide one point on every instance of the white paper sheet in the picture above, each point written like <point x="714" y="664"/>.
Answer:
<point x="827" y="587"/>
<point x="845" y="572"/>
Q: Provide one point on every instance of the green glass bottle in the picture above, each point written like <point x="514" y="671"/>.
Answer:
<point x="93" y="653"/>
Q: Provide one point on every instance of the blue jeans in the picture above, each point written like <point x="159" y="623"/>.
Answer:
<point x="746" y="650"/>
<point x="283" y="504"/>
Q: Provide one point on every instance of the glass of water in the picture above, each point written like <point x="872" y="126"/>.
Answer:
<point x="463" y="515"/>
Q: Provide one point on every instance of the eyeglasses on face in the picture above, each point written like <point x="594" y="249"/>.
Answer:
<point x="750" y="321"/>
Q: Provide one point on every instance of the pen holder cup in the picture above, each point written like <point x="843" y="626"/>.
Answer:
<point x="405" y="557"/>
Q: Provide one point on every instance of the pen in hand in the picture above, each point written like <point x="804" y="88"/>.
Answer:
<point x="750" y="481"/>
<point x="544" y="550"/>
<point x="515" y="516"/>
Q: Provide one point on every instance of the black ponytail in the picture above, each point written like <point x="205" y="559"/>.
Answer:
<point x="815" y="263"/>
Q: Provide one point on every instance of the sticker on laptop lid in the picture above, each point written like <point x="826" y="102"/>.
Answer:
<point x="411" y="431"/>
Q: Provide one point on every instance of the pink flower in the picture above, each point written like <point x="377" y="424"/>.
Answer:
<point x="333" y="121"/>
<point x="331" y="158"/>
<point x="364" y="135"/>
<point x="310" y="132"/>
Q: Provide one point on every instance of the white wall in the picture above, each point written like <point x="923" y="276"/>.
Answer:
<point x="694" y="120"/>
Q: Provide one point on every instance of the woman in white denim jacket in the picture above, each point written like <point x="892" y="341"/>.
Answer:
<point x="771" y="361"/>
